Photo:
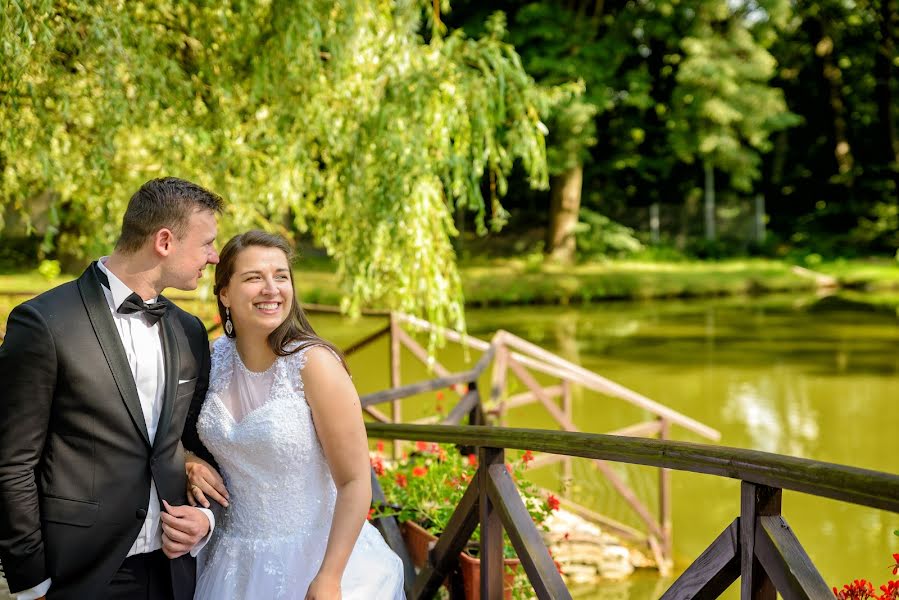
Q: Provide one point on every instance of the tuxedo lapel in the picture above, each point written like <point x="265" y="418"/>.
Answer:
<point x="98" y="312"/>
<point x="172" y="359"/>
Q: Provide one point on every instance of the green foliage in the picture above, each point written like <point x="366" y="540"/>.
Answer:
<point x="724" y="111"/>
<point x="598" y="235"/>
<point x="334" y="118"/>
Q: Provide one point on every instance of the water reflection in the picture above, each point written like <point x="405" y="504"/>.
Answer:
<point x="771" y="374"/>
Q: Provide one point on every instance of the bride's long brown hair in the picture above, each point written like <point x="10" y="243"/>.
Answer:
<point x="295" y="330"/>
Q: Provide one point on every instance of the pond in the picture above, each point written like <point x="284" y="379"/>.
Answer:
<point x="794" y="375"/>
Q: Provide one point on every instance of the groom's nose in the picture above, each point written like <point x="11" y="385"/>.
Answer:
<point x="213" y="258"/>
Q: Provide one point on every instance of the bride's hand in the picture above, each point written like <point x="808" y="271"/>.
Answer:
<point x="203" y="480"/>
<point x="324" y="587"/>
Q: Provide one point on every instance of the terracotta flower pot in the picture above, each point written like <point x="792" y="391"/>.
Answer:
<point x="471" y="575"/>
<point x="418" y="541"/>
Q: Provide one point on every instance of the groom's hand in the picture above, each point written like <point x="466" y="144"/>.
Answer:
<point x="182" y="528"/>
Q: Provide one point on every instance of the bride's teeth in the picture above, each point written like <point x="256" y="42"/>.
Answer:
<point x="267" y="306"/>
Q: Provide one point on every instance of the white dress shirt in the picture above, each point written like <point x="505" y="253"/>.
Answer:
<point x="143" y="347"/>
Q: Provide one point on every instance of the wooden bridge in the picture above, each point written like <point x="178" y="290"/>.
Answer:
<point x="758" y="547"/>
<point x="507" y="354"/>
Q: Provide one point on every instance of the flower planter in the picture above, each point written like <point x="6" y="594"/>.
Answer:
<point x="419" y="543"/>
<point x="471" y="575"/>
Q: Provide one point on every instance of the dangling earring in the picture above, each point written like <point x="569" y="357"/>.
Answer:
<point x="229" y="326"/>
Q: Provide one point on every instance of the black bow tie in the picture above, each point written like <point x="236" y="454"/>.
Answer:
<point x="134" y="303"/>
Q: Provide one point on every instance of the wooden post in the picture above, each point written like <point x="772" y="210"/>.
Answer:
<point x="498" y="381"/>
<point x="755" y="501"/>
<point x="665" y="504"/>
<point x="569" y="413"/>
<point x="491" y="528"/>
<point x="396" y="406"/>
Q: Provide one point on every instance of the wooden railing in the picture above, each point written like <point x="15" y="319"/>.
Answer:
<point x="758" y="546"/>
<point x="507" y="354"/>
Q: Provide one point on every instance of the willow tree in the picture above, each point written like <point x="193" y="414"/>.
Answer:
<point x="360" y="122"/>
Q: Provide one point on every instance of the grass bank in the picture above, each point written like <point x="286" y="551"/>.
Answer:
<point x="514" y="281"/>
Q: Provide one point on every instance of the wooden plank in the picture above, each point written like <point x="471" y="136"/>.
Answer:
<point x="610" y="387"/>
<point x="418" y="388"/>
<point x="375" y="413"/>
<point x="525" y="398"/>
<point x="396" y="406"/>
<point x="445" y="554"/>
<point x="422" y="355"/>
<point x="491" y="549"/>
<point x="390" y="531"/>
<point x="786" y="562"/>
<point x="331" y="309"/>
<point x="535" y="558"/>
<point x="665" y="518"/>
<point x="552" y="364"/>
<point x="713" y="571"/>
<point x="356" y="346"/>
<point x="620" y="529"/>
<point x="450" y="334"/>
<point x="605" y="468"/>
<point x="460" y="410"/>
<point x="647" y="429"/>
<point x="755" y="501"/>
<point x="828" y="480"/>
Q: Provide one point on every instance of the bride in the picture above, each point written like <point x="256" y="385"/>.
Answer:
<point x="283" y="421"/>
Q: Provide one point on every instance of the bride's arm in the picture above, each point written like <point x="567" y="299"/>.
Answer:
<point x="337" y="415"/>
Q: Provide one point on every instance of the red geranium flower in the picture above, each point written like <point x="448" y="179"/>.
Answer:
<point x="377" y="463"/>
<point x="859" y="589"/>
<point x="553" y="502"/>
<point x="473" y="460"/>
<point x="421" y="446"/>
<point x="527" y="457"/>
<point x="371" y="513"/>
<point x="401" y="480"/>
<point x="896" y="566"/>
<point x="419" y="471"/>
<point x="380" y="446"/>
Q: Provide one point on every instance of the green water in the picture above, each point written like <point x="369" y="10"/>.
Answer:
<point x="786" y="374"/>
<point x="783" y="374"/>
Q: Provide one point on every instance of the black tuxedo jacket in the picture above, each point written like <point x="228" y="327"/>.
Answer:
<point x="75" y="459"/>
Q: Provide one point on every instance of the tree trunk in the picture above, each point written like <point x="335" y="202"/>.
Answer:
<point x="565" y="203"/>
<point x="709" y="201"/>
<point x="883" y="71"/>
<point x="833" y="76"/>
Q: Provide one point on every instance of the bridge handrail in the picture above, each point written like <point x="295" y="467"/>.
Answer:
<point x="829" y="480"/>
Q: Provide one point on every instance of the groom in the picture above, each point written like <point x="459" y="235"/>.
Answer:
<point x="97" y="380"/>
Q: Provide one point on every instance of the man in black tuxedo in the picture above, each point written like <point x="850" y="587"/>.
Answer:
<point x="101" y="381"/>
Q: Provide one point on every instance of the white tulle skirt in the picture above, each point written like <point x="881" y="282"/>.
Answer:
<point x="240" y="568"/>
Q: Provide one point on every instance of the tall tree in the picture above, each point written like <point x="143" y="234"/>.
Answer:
<point x="362" y="123"/>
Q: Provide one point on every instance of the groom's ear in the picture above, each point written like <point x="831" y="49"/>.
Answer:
<point x="162" y="241"/>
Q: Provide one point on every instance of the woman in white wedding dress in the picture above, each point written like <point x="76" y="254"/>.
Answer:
<point x="283" y="421"/>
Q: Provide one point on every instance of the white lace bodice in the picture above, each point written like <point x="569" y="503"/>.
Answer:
<point x="271" y="459"/>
